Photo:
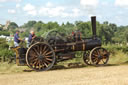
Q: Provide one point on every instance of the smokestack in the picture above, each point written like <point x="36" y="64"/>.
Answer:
<point x="93" y="21"/>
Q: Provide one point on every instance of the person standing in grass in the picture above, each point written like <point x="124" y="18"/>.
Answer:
<point x="31" y="37"/>
<point x="17" y="39"/>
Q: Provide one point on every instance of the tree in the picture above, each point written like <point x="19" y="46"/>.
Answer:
<point x="29" y="24"/>
<point x="85" y="28"/>
<point x="52" y="25"/>
<point x="12" y="25"/>
<point x="107" y="32"/>
<point x="38" y="26"/>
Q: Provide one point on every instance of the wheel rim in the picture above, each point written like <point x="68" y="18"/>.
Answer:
<point x="40" y="57"/>
<point x="99" y="56"/>
<point x="86" y="58"/>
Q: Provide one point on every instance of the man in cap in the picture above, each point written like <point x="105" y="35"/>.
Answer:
<point x="17" y="39"/>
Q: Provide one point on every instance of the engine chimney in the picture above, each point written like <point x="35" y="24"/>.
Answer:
<point x="93" y="21"/>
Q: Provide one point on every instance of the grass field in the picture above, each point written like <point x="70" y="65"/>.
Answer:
<point x="108" y="75"/>
<point x="115" y="73"/>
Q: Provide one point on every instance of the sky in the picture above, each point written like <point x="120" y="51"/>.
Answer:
<point x="21" y="11"/>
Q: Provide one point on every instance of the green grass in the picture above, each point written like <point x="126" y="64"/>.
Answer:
<point x="11" y="68"/>
<point x="118" y="57"/>
<point x="112" y="48"/>
<point x="118" y="53"/>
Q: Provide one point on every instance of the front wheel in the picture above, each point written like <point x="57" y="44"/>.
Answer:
<point x="99" y="56"/>
<point x="86" y="57"/>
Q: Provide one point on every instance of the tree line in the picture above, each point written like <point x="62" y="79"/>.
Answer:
<point x="107" y="32"/>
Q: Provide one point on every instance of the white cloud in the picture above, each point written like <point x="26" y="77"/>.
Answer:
<point x="76" y="12"/>
<point x="52" y="12"/>
<point x="121" y="3"/>
<point x="30" y="9"/>
<point x="49" y="4"/>
<point x="10" y="0"/>
<point x="105" y="3"/>
<point x="59" y="11"/>
<point x="89" y="3"/>
<point x="32" y="12"/>
<point x="17" y="5"/>
<point x="11" y="11"/>
<point x="44" y="11"/>
<point x="89" y="6"/>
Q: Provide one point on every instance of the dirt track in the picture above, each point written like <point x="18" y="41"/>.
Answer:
<point x="109" y="75"/>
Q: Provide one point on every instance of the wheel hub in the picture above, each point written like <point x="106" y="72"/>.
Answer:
<point x="99" y="57"/>
<point x="40" y="57"/>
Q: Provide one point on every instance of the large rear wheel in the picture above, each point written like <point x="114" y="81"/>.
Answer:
<point x="40" y="56"/>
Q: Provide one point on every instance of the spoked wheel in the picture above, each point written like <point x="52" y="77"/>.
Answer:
<point x="40" y="57"/>
<point x="86" y="57"/>
<point x="99" y="56"/>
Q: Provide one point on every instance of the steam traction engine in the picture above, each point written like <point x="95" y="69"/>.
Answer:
<point x="44" y="53"/>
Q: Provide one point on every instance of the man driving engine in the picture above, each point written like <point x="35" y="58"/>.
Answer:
<point x="31" y="37"/>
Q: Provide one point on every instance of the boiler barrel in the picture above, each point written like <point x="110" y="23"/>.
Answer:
<point x="84" y="45"/>
<point x="92" y="43"/>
